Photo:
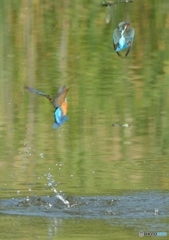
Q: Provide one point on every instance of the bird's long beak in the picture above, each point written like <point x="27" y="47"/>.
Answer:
<point x="126" y="25"/>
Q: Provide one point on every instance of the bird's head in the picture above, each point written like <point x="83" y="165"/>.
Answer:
<point x="123" y="26"/>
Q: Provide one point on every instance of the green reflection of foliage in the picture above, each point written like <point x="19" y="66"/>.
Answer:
<point x="46" y="44"/>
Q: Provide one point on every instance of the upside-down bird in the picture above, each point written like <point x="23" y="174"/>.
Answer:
<point x="59" y="102"/>
<point x="123" y="37"/>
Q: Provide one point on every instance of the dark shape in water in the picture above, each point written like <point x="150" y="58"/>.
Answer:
<point x="59" y="103"/>
<point x="123" y="37"/>
<point x="121" y="125"/>
<point x="109" y="5"/>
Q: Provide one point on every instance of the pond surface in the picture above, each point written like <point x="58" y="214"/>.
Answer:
<point x="133" y="210"/>
<point x="104" y="174"/>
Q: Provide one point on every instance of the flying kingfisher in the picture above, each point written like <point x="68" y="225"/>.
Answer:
<point x="123" y="37"/>
<point x="59" y="102"/>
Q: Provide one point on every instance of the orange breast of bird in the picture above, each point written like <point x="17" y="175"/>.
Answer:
<point x="61" y="96"/>
<point x="64" y="107"/>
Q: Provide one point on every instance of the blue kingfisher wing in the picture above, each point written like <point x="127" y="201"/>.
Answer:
<point x="39" y="93"/>
<point x="34" y="91"/>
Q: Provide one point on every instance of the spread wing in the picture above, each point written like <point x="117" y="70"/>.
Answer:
<point x="129" y="36"/>
<point x="59" y="99"/>
<point x="61" y="96"/>
<point x="30" y="89"/>
<point x="116" y="36"/>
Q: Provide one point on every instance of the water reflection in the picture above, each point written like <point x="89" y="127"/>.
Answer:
<point x="104" y="90"/>
<point x="109" y="5"/>
<point x="121" y="125"/>
<point x="58" y="43"/>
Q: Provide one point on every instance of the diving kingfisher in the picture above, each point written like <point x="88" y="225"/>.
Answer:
<point x="123" y="37"/>
<point x="59" y="102"/>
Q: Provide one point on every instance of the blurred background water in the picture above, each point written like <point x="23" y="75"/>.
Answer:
<point x="46" y="44"/>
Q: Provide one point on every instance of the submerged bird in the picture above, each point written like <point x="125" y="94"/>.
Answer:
<point x="123" y="37"/>
<point x="59" y="103"/>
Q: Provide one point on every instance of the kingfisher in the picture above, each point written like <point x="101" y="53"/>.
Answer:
<point x="59" y="102"/>
<point x="123" y="37"/>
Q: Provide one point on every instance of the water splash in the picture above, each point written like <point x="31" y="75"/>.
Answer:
<point x="51" y="183"/>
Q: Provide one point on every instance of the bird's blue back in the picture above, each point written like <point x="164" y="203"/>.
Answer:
<point x="59" y="118"/>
